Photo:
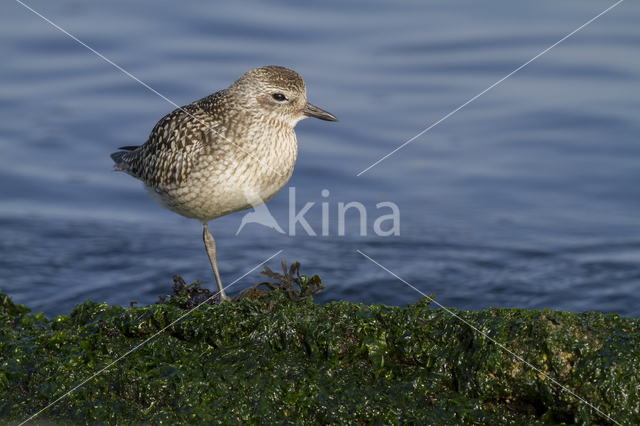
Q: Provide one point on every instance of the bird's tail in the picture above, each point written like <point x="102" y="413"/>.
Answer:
<point x="121" y="162"/>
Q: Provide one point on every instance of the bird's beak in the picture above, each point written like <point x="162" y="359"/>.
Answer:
<point x="313" y="111"/>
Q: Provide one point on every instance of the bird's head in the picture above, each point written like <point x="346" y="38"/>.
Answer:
<point x="279" y="93"/>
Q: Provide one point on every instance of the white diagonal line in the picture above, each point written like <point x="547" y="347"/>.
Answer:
<point x="140" y="345"/>
<point x="497" y="343"/>
<point x="488" y="88"/>
<point x="148" y="87"/>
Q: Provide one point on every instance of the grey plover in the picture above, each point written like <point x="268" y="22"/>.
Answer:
<point x="201" y="160"/>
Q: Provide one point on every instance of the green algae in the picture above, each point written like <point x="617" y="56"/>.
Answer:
<point x="276" y="361"/>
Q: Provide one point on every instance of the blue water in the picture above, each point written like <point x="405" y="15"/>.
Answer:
<point x="527" y="197"/>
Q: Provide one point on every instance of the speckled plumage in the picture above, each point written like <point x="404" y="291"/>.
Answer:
<point x="202" y="160"/>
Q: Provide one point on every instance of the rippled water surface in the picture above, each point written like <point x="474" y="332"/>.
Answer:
<point x="527" y="197"/>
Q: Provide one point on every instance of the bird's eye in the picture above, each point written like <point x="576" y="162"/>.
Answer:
<point x="279" y="97"/>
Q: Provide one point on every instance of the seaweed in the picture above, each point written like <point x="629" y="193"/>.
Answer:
<point x="282" y="359"/>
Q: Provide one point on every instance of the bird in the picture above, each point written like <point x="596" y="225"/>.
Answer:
<point x="202" y="159"/>
<point x="261" y="214"/>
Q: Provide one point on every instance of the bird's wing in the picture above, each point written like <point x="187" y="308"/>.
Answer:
<point x="167" y="158"/>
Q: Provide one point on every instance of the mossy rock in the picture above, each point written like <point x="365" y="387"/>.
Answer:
<point x="275" y="361"/>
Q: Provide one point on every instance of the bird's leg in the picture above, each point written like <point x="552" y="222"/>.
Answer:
<point x="210" y="245"/>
